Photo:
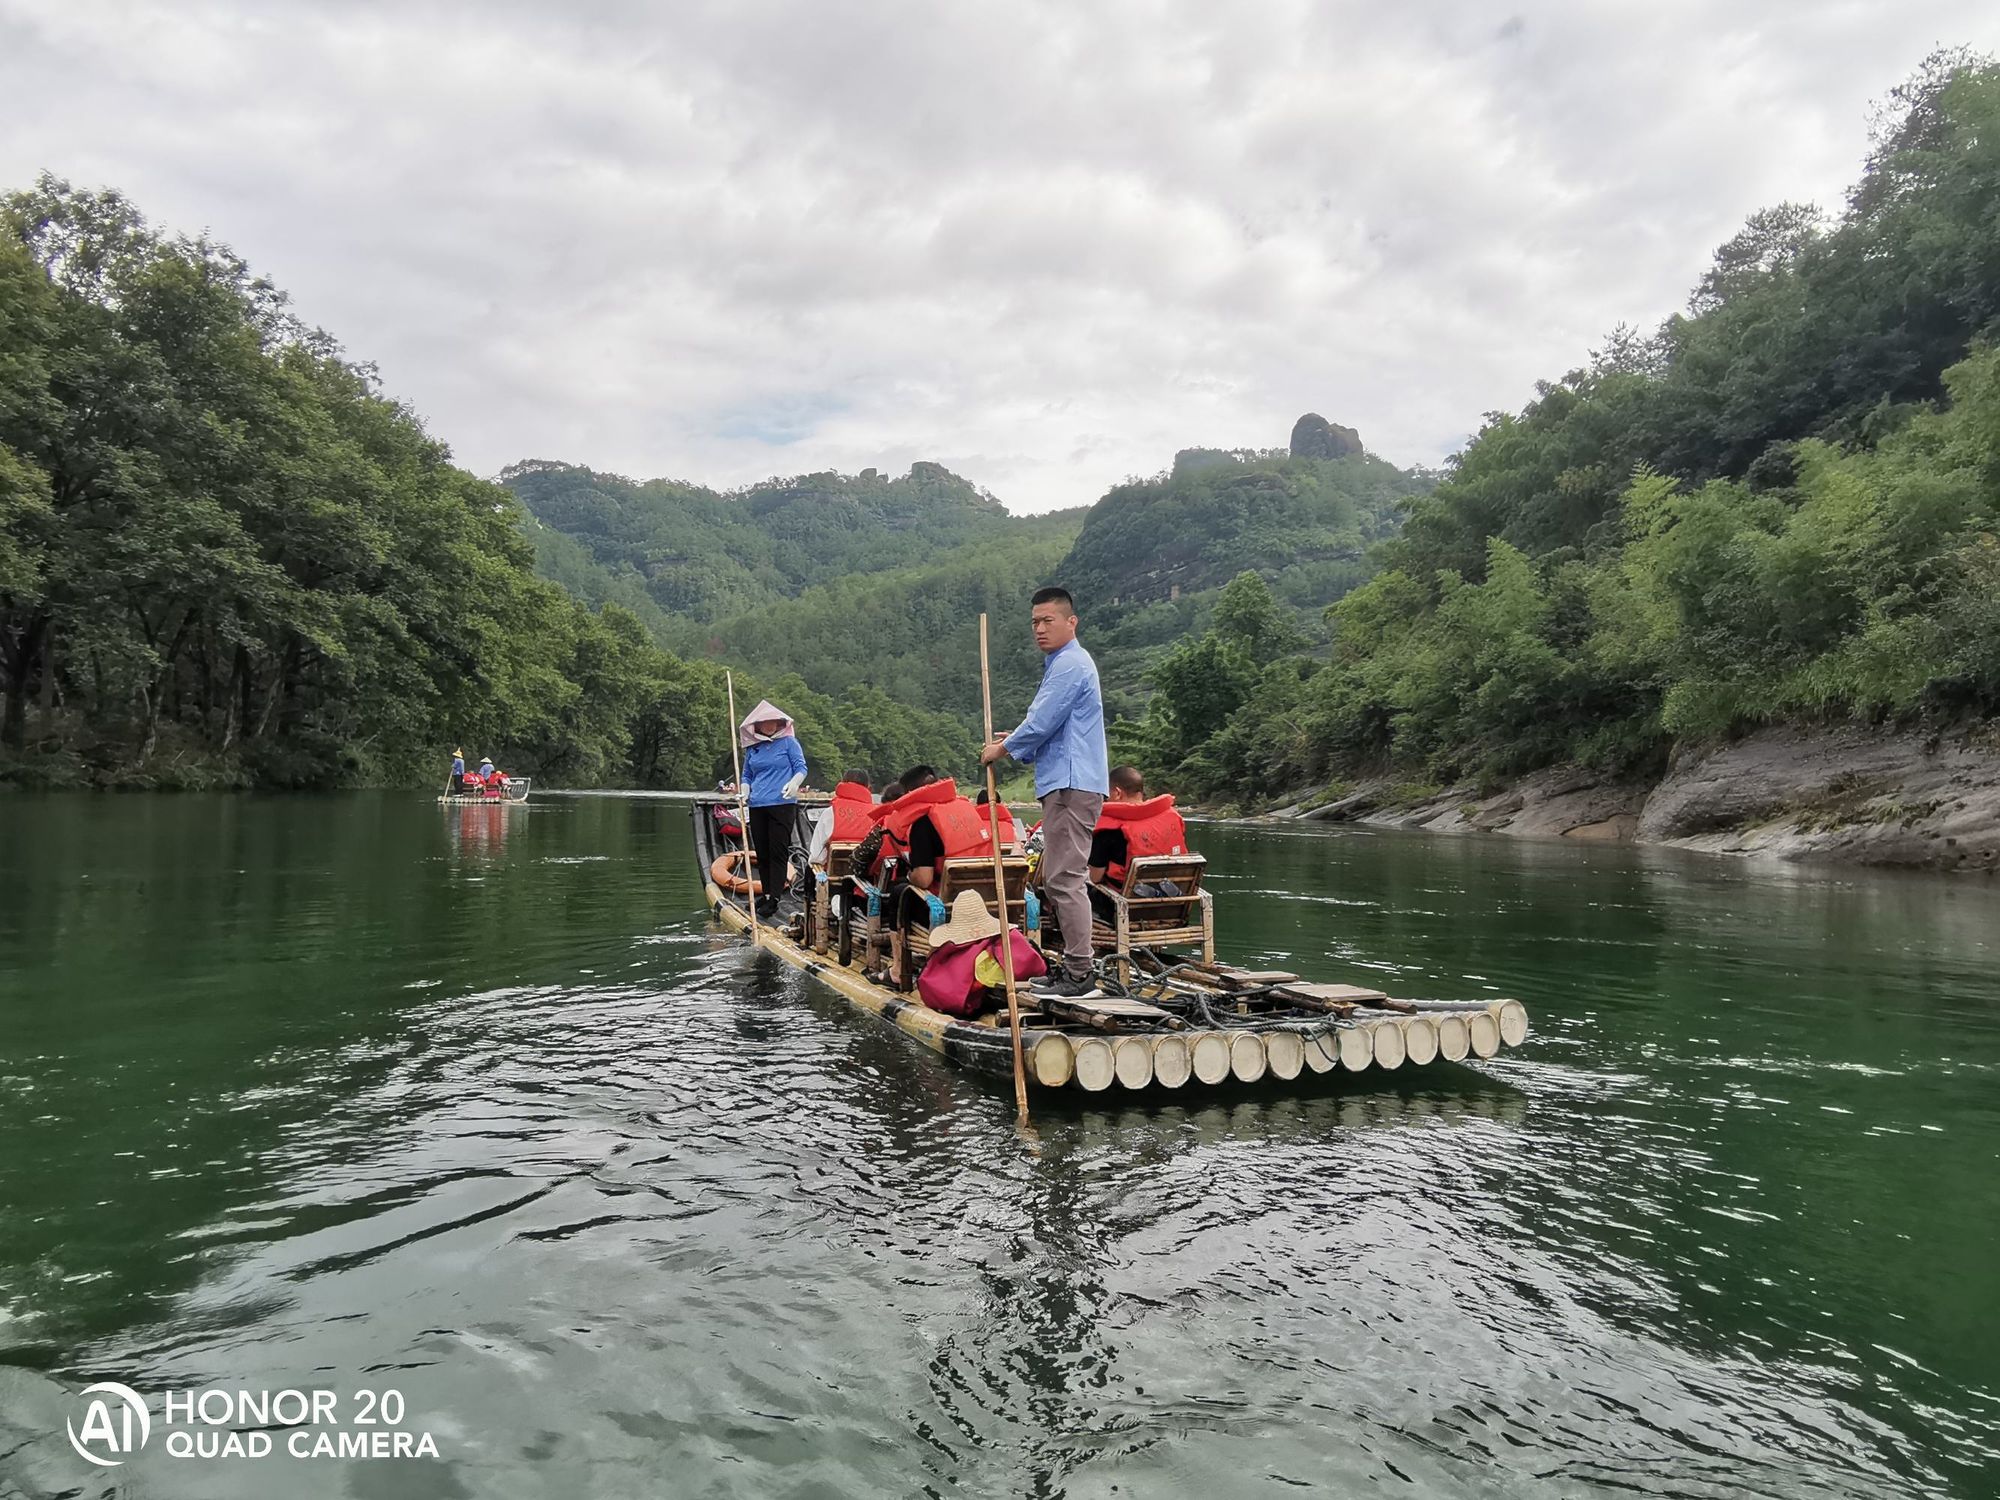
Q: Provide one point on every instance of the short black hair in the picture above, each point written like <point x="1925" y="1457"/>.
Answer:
<point x="917" y="776"/>
<point x="892" y="791"/>
<point x="861" y="778"/>
<point x="981" y="799"/>
<point x="1128" y="778"/>
<point x="1054" y="596"/>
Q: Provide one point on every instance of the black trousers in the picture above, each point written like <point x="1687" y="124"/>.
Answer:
<point x="771" y="841"/>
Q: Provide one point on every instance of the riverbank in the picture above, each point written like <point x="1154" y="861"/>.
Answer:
<point x="1855" y="796"/>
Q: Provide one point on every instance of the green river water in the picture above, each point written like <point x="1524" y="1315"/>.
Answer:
<point x="476" y="1105"/>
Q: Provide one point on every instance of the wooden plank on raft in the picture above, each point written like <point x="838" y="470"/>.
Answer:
<point x="1351" y="994"/>
<point x="1251" y="979"/>
<point x="1107" y="1014"/>
<point x="1320" y="997"/>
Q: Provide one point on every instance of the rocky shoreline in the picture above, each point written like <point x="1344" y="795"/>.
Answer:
<point x="1854" y="796"/>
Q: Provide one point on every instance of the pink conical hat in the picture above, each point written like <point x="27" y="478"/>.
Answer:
<point x="765" y="709"/>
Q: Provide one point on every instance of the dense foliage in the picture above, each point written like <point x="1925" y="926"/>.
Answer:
<point x="897" y="571"/>
<point x="867" y="589"/>
<point x="913" y="632"/>
<point x="1781" y="506"/>
<point x="1305" y="521"/>
<point x="227" y="559"/>
<point x="703" y="556"/>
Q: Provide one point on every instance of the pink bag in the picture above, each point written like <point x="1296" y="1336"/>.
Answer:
<point x="947" y="985"/>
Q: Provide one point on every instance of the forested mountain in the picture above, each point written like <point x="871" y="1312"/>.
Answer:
<point x="866" y="588"/>
<point x="1781" y="505"/>
<point x="1304" y="522"/>
<point x="1153" y="554"/>
<point x="854" y="581"/>
<point x="701" y="555"/>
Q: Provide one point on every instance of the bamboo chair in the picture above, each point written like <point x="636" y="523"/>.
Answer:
<point x="1155" y="921"/>
<point x="832" y="877"/>
<point x="967" y="875"/>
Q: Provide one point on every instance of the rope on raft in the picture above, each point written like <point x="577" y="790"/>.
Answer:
<point x="1192" y="1002"/>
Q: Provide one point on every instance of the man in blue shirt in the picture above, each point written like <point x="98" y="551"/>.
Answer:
<point x="1063" y="739"/>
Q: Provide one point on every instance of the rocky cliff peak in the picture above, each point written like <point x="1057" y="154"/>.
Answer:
<point x="1315" y="437"/>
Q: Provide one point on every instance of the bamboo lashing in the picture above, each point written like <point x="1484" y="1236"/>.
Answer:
<point x="1000" y="883"/>
<point x="750" y="871"/>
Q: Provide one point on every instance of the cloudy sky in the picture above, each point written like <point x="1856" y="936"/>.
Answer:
<point x="1045" y="244"/>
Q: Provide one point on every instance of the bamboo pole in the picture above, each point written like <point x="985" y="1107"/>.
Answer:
<point x="1000" y="882"/>
<point x="751" y="882"/>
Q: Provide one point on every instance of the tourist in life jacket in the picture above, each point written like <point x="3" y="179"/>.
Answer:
<point x="1132" y="826"/>
<point x="774" y="768"/>
<point x="853" y="797"/>
<point x="845" y="819"/>
<point x="1010" y="836"/>
<point x="927" y="825"/>
<point x="931" y="823"/>
<point x="457" y="773"/>
<point x="473" y="784"/>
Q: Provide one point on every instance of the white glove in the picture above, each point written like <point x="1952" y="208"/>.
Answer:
<point x="791" y="788"/>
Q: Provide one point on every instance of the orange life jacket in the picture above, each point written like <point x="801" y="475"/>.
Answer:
<point x="1006" y="823"/>
<point x="961" y="827"/>
<point x="852" y="803"/>
<point x="1150" y="827"/>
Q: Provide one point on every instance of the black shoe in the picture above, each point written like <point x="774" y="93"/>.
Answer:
<point x="1063" y="987"/>
<point x="766" y="908"/>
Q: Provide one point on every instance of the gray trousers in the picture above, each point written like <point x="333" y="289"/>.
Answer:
<point x="1068" y="819"/>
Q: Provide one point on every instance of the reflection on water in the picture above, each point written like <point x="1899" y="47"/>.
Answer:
<point x="357" y="1090"/>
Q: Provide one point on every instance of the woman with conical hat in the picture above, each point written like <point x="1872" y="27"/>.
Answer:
<point x="774" y="768"/>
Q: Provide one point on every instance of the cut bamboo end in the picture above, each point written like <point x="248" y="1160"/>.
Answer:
<point x="1286" y="1053"/>
<point x="1172" y="1064"/>
<point x="1513" y="1022"/>
<point x="1420" y="1040"/>
<point x="1095" y="1067"/>
<point x="1357" y="1048"/>
<point x="1389" y="1048"/>
<point x="1453" y="1041"/>
<point x="1485" y="1033"/>
<point x="1247" y="1058"/>
<point x="1053" y="1062"/>
<point x="1209" y="1053"/>
<point x="1323" y="1051"/>
<point x="1132" y="1061"/>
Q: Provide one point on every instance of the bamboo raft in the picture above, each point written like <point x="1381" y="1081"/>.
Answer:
<point x="517" y="793"/>
<point x="1179" y="1023"/>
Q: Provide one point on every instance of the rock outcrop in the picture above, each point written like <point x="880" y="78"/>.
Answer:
<point x="1315" y="437"/>
<point x="1856" y="796"/>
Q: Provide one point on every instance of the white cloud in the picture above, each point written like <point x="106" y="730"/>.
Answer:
<point x="1042" y="243"/>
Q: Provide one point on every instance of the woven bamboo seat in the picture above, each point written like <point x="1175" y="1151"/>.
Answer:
<point x="1155" y="921"/>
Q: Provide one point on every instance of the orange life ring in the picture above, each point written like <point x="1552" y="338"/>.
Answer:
<point x="723" y="873"/>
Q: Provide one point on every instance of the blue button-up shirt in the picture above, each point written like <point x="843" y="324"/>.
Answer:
<point x="1063" y="735"/>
